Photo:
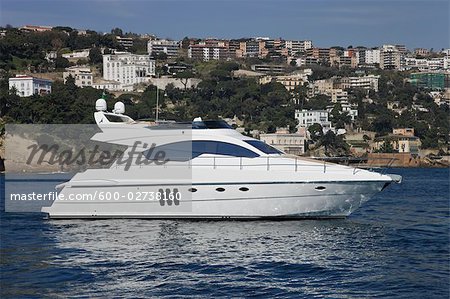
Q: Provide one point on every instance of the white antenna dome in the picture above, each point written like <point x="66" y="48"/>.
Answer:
<point x="100" y="105"/>
<point x="119" y="108"/>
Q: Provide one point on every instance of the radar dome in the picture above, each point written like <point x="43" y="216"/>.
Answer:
<point x="100" y="105"/>
<point x="119" y="108"/>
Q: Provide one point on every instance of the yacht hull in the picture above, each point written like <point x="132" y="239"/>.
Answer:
<point x="272" y="200"/>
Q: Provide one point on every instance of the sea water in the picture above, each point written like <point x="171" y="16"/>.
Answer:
<point x="396" y="245"/>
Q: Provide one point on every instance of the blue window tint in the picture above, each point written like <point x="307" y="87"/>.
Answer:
<point x="186" y="150"/>
<point x="177" y="151"/>
<point x="220" y="148"/>
<point x="210" y="124"/>
<point x="264" y="147"/>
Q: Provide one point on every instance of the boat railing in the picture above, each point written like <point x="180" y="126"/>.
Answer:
<point x="267" y="163"/>
<point x="382" y="163"/>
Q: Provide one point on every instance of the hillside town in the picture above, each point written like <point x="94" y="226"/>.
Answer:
<point x="352" y="101"/>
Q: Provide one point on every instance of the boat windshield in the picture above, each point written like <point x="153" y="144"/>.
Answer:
<point x="264" y="147"/>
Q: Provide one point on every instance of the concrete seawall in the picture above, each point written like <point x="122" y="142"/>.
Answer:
<point x="405" y="160"/>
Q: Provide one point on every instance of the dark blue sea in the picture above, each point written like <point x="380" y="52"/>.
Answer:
<point x="395" y="246"/>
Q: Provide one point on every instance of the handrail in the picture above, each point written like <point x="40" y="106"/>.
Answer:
<point x="268" y="162"/>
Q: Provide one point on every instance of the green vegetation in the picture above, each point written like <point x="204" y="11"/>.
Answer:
<point x="21" y="50"/>
<point x="260" y="107"/>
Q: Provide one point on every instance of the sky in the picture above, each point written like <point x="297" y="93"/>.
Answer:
<point x="416" y="24"/>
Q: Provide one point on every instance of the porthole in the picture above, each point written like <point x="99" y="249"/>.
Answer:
<point x="220" y="189"/>
<point x="192" y="190"/>
<point x="243" y="189"/>
<point x="320" y="188"/>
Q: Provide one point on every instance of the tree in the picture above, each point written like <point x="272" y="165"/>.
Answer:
<point x="82" y="61"/>
<point x="184" y="77"/>
<point x="161" y="56"/>
<point x="117" y="31"/>
<point x="316" y="131"/>
<point x="335" y="145"/>
<point x="61" y="62"/>
<point x="95" y="55"/>
<point x="387" y="147"/>
<point x="340" y="118"/>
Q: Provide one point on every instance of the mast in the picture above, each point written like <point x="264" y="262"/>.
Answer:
<point x="157" y="102"/>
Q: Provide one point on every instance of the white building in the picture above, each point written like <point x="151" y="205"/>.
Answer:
<point x="295" y="46"/>
<point x="372" y="56"/>
<point x="126" y="42"/>
<point x="424" y="64"/>
<point x="82" y="54"/>
<point x="128" y="68"/>
<point x="26" y="86"/>
<point x="51" y="55"/>
<point x="307" y="118"/>
<point x="207" y="53"/>
<point x="170" y="47"/>
<point x="391" y="58"/>
<point x="82" y="75"/>
<point x="363" y="82"/>
<point x="111" y="85"/>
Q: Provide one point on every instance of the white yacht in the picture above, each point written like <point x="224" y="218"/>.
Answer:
<point x="207" y="170"/>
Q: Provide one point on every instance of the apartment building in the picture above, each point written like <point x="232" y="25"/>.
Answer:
<point x="290" y="82"/>
<point x="126" y="42"/>
<point x="82" y="75"/>
<point x="251" y="48"/>
<point x="423" y="64"/>
<point x="234" y="48"/>
<point x="431" y="80"/>
<point x="324" y="86"/>
<point x="26" y="86"/>
<point x="363" y="82"/>
<point x="169" y="47"/>
<point x="390" y="58"/>
<point x="128" y="68"/>
<point x="372" y="56"/>
<point x="402" y="49"/>
<point x="339" y="95"/>
<point x="295" y="46"/>
<point x="349" y="60"/>
<point x="421" y="51"/>
<point x="207" y="53"/>
<point x="307" y="118"/>
<point x="269" y="68"/>
<point x="322" y="54"/>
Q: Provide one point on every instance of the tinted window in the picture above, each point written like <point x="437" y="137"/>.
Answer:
<point x="220" y="148"/>
<point x="264" y="147"/>
<point x="210" y="124"/>
<point x="186" y="150"/>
